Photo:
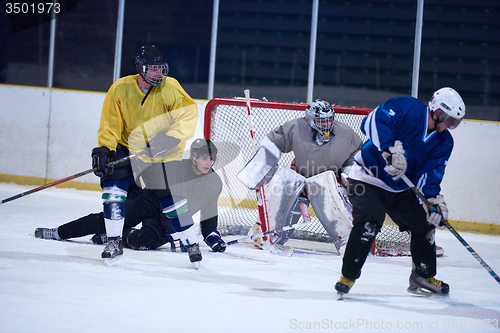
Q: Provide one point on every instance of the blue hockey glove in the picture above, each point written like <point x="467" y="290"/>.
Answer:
<point x="215" y="242"/>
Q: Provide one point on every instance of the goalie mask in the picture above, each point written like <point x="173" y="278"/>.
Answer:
<point x="452" y="105"/>
<point x="319" y="115"/>
<point x="151" y="65"/>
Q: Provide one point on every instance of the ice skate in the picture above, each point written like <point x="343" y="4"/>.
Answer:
<point x="254" y="230"/>
<point x="343" y="286"/>
<point x="194" y="254"/>
<point x="99" y="239"/>
<point x="423" y="286"/>
<point x="182" y="246"/>
<point x="47" y="233"/>
<point x="113" y="248"/>
<point x="176" y="244"/>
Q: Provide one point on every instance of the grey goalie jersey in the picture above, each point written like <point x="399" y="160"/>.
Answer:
<point x="310" y="158"/>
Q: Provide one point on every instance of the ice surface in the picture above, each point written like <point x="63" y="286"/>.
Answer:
<point x="53" y="286"/>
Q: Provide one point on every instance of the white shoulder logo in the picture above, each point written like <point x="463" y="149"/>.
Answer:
<point x="392" y="113"/>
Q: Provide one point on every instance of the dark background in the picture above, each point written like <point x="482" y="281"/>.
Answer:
<point x="364" y="48"/>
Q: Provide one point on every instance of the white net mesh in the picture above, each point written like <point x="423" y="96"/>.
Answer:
<point x="390" y="241"/>
<point x="226" y="120"/>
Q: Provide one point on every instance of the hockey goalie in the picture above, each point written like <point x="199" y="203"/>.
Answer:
<point x="323" y="149"/>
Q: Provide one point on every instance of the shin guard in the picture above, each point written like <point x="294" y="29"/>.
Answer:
<point x="182" y="221"/>
<point x="114" y="210"/>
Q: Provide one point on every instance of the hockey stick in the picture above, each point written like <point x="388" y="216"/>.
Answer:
<point x="433" y="209"/>
<point x="83" y="173"/>
<point x="261" y="198"/>
<point x="265" y="233"/>
<point x="278" y="249"/>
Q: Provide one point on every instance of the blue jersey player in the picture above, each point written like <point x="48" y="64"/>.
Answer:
<point x="406" y="137"/>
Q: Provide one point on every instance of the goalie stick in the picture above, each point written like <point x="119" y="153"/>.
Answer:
<point x="433" y="209"/>
<point x="83" y="173"/>
<point x="265" y="233"/>
<point x="282" y="250"/>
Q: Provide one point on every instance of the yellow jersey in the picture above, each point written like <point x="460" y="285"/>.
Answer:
<point x="130" y="120"/>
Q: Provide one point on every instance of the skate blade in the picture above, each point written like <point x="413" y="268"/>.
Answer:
<point x="118" y="261"/>
<point x="417" y="291"/>
<point x="340" y="296"/>
<point x="196" y="265"/>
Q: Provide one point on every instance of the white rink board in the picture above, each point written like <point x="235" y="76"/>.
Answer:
<point x="470" y="185"/>
<point x="24" y="119"/>
<point x="74" y="122"/>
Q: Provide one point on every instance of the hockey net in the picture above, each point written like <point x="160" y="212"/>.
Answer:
<point x="226" y="121"/>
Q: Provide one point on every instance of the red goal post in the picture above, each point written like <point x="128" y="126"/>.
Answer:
<point x="226" y="122"/>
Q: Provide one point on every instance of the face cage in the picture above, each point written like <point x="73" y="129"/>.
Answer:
<point x="323" y="126"/>
<point x="154" y="74"/>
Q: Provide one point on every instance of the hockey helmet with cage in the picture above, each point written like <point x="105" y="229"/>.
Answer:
<point x="151" y="65"/>
<point x="201" y="147"/>
<point x="452" y="105"/>
<point x="320" y="115"/>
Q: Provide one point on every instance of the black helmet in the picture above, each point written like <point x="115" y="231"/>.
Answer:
<point x="147" y="58"/>
<point x="201" y="147"/>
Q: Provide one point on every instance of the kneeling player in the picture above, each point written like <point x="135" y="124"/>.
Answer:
<point x="192" y="179"/>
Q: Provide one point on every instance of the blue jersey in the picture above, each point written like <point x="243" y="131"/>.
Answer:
<point x="405" y="119"/>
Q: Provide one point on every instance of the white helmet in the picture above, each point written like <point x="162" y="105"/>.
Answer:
<point x="450" y="102"/>
<point x="320" y="115"/>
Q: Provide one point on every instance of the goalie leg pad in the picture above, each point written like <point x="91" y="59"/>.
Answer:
<point x="260" y="169"/>
<point x="289" y="219"/>
<point x="282" y="193"/>
<point x="330" y="206"/>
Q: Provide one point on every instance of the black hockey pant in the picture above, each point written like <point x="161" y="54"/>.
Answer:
<point x="370" y="204"/>
<point x="142" y="206"/>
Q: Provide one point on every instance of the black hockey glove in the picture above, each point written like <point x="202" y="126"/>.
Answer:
<point x="160" y="145"/>
<point x="101" y="156"/>
<point x="215" y="242"/>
